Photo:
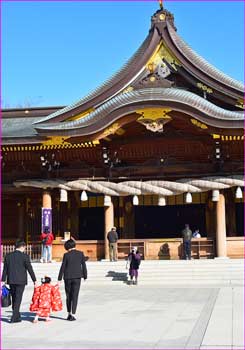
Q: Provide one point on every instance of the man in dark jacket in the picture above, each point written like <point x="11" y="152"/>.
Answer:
<point x="112" y="237"/>
<point x="16" y="265"/>
<point x="187" y="236"/>
<point x="73" y="268"/>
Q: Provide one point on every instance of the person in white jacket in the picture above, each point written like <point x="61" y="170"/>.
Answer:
<point x="196" y="234"/>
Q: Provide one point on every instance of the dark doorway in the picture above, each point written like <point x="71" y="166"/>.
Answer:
<point x="240" y="219"/>
<point x="169" y="221"/>
<point x="91" y="223"/>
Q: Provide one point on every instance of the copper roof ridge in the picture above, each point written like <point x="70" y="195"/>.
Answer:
<point x="202" y="64"/>
<point x="129" y="67"/>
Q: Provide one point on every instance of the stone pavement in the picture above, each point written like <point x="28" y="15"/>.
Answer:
<point x="142" y="317"/>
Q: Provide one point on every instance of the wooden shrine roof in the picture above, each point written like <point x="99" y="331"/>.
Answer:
<point x="164" y="74"/>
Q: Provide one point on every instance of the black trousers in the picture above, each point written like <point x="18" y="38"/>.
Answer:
<point x="72" y="287"/>
<point x="187" y="249"/>
<point x="17" y="291"/>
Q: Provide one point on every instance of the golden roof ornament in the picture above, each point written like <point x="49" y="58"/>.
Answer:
<point x="161" y="16"/>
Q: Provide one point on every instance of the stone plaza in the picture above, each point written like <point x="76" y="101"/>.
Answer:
<point x="189" y="311"/>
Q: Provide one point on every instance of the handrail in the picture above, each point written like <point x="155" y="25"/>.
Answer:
<point x="34" y="250"/>
<point x="148" y="248"/>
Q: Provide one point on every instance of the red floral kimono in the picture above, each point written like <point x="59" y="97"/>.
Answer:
<point x="46" y="298"/>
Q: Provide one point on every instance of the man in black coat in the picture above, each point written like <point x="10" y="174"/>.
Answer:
<point x="16" y="265"/>
<point x="73" y="268"/>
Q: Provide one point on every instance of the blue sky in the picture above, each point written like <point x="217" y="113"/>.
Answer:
<point x="55" y="52"/>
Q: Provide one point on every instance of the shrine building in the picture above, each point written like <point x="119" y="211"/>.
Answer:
<point x="158" y="145"/>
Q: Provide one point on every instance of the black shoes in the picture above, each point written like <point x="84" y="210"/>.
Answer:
<point x="15" y="321"/>
<point x="132" y="282"/>
<point x="71" y="318"/>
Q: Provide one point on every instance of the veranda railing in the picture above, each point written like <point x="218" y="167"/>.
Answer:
<point x="33" y="250"/>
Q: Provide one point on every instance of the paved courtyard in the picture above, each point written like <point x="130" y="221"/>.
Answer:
<point x="143" y="317"/>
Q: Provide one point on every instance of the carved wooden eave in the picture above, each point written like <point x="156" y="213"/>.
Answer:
<point x="128" y="103"/>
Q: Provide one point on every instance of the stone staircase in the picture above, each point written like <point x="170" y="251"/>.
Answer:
<point x="217" y="272"/>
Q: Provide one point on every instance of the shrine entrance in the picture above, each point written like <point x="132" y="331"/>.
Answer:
<point x="169" y="221"/>
<point x="91" y="223"/>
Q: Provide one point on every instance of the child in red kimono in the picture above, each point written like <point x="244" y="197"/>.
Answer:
<point x="46" y="298"/>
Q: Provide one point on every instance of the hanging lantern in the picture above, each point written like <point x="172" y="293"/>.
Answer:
<point x="188" y="198"/>
<point x="239" y="192"/>
<point x="63" y="195"/>
<point x="215" y="195"/>
<point x="84" y="196"/>
<point x="135" y="200"/>
<point x="107" y="201"/>
<point x="161" y="201"/>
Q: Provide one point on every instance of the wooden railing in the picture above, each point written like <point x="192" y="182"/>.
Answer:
<point x="34" y="250"/>
<point x="124" y="247"/>
<point x="150" y="249"/>
<point x="166" y="249"/>
<point x="203" y="248"/>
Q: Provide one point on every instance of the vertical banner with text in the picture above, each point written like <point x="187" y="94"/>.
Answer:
<point x="47" y="219"/>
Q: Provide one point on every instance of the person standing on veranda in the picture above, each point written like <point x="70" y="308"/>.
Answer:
<point x="187" y="236"/>
<point x="196" y="234"/>
<point x="112" y="237"/>
<point x="47" y="238"/>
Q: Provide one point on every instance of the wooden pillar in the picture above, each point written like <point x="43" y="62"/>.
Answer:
<point x="47" y="203"/>
<point x="221" y="227"/>
<point x="109" y="223"/>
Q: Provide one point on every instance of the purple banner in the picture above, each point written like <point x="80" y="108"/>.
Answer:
<point x="46" y="219"/>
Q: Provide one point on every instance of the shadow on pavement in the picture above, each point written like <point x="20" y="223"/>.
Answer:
<point x="25" y="316"/>
<point x="58" y="318"/>
<point x="118" y="276"/>
<point x="4" y="319"/>
<point x="29" y="317"/>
